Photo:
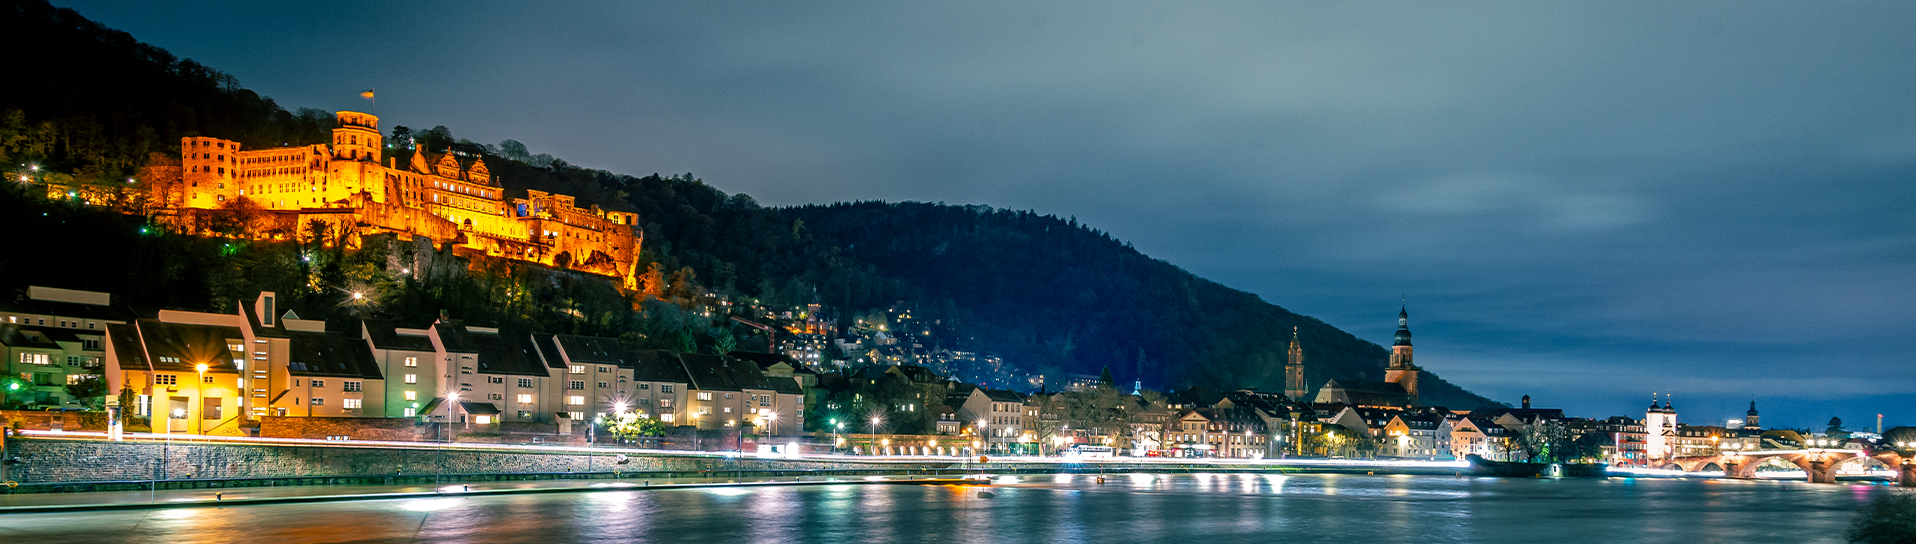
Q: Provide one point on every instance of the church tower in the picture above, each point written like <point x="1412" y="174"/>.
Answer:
<point x="1294" y="384"/>
<point x="1749" y="418"/>
<point x="1401" y="371"/>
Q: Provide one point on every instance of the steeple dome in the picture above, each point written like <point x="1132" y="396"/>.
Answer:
<point x="1752" y="411"/>
<point x="1403" y="327"/>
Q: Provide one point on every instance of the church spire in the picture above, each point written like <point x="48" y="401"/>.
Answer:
<point x="1403" y="327"/>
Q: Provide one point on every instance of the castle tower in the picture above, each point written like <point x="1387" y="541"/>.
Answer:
<point x="358" y="138"/>
<point x="357" y="165"/>
<point x="1749" y="418"/>
<point x="209" y="171"/>
<point x="1294" y="385"/>
<point x="1401" y="371"/>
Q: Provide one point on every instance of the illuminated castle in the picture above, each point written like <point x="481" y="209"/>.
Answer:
<point x="448" y="198"/>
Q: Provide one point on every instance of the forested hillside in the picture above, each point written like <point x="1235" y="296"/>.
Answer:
<point x="1047" y="294"/>
<point x="1066" y="298"/>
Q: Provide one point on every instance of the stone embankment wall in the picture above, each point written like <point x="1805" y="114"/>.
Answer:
<point x="47" y="421"/>
<point x="358" y="428"/>
<point x="43" y="460"/>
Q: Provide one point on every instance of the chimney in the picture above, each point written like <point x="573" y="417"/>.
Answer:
<point x="1526" y="402"/>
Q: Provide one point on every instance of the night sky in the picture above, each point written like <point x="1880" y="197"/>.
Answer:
<point x="1584" y="202"/>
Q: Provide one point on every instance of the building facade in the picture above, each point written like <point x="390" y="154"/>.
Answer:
<point x="448" y="197"/>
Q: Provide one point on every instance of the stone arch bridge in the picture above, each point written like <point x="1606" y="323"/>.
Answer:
<point x="1820" y="464"/>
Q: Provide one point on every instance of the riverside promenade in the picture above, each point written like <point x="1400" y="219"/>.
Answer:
<point x="52" y="469"/>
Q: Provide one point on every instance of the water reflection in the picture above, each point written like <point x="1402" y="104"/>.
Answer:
<point x="1125" y="508"/>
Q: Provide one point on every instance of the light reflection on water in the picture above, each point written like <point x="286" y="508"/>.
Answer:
<point x="1185" y="509"/>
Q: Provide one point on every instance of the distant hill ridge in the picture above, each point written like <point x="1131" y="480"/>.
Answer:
<point x="1047" y="294"/>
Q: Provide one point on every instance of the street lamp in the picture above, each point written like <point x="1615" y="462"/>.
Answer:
<point x="874" y="436"/>
<point x="452" y="403"/>
<point x="981" y="429"/>
<point x="199" y="389"/>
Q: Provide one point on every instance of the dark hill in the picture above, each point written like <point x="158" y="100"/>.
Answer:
<point x="1068" y="299"/>
<point x="1048" y="295"/>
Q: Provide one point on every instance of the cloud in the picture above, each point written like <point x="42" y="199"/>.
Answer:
<point x="1587" y="197"/>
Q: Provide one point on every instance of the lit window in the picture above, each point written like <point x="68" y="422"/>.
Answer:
<point x="576" y="369"/>
<point x="412" y="378"/>
<point x="482" y="420"/>
<point x="705" y="396"/>
<point x="412" y="395"/>
<point x="575" y="400"/>
<point x="412" y="361"/>
<point x="350" y="404"/>
<point x="411" y="412"/>
<point x="525" y="399"/>
<point x="576" y="415"/>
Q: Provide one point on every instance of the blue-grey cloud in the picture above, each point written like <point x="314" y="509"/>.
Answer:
<point x="1586" y="202"/>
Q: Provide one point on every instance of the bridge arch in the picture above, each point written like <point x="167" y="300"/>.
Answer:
<point x="1837" y="466"/>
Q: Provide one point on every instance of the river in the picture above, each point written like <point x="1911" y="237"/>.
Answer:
<point x="1184" y="509"/>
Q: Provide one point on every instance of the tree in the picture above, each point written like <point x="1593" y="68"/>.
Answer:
<point x="632" y="425"/>
<point x="1105" y="376"/>
<point x="86" y="388"/>
<point x="1889" y="519"/>
<point x="1546" y="441"/>
<point x="1099" y="411"/>
<point x="10" y="385"/>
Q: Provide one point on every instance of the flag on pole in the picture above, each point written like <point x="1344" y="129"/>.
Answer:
<point x="366" y="94"/>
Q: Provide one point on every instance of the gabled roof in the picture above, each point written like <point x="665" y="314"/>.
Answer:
<point x="549" y="348"/>
<point x="126" y="346"/>
<point x="1004" y="395"/>
<point x="179" y="347"/>
<point x="1370" y="393"/>
<point x="94" y="312"/>
<point x="652" y="365"/>
<point x="497" y="353"/>
<point x="1202" y="396"/>
<point x="384" y="335"/>
<point x="766" y="360"/>
<point x="718" y="373"/>
<point x="330" y="354"/>
<point x="252" y="322"/>
<point x="788" y="386"/>
<point x="16" y="336"/>
<point x="454" y="337"/>
<point x="592" y="350"/>
<point x="1526" y="415"/>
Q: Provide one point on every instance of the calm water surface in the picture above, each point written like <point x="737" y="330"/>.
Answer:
<point x="1189" y="509"/>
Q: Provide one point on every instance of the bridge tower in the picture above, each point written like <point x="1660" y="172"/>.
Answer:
<point x="1659" y="424"/>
